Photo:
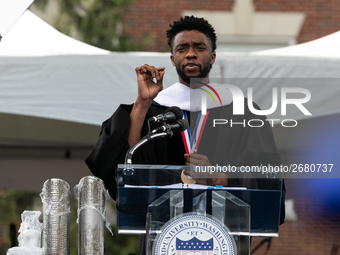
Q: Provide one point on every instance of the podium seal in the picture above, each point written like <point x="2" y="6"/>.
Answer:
<point x="194" y="234"/>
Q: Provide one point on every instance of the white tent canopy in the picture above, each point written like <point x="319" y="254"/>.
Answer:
<point x="32" y="37"/>
<point x="47" y="74"/>
<point x="325" y="47"/>
<point x="50" y="75"/>
<point x="10" y="12"/>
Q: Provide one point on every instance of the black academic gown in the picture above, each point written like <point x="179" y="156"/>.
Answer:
<point x="112" y="146"/>
<point x="223" y="144"/>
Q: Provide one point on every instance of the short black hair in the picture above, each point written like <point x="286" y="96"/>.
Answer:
<point x="191" y="23"/>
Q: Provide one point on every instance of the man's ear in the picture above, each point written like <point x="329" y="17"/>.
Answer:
<point x="172" y="59"/>
<point x="213" y="57"/>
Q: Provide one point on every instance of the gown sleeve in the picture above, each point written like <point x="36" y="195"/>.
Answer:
<point x="111" y="147"/>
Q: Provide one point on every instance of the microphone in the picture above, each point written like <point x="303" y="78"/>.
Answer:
<point x="167" y="130"/>
<point x="170" y="115"/>
<point x="177" y="126"/>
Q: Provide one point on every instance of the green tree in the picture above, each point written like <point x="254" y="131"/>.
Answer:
<point x="96" y="22"/>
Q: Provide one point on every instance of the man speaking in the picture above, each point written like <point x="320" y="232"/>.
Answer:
<point x="192" y="44"/>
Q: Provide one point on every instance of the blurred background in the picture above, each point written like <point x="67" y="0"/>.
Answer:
<point x="35" y="147"/>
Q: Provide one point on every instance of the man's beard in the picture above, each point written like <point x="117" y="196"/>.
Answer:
<point x="203" y="73"/>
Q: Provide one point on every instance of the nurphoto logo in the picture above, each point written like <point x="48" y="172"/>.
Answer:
<point x="288" y="96"/>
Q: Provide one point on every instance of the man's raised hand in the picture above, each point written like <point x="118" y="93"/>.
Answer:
<point x="148" y="89"/>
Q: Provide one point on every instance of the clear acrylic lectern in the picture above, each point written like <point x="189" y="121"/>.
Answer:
<point x="149" y="196"/>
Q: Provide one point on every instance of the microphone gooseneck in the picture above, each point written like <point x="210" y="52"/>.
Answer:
<point x="176" y="124"/>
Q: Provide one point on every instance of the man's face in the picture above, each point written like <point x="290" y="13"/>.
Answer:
<point x="192" y="55"/>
